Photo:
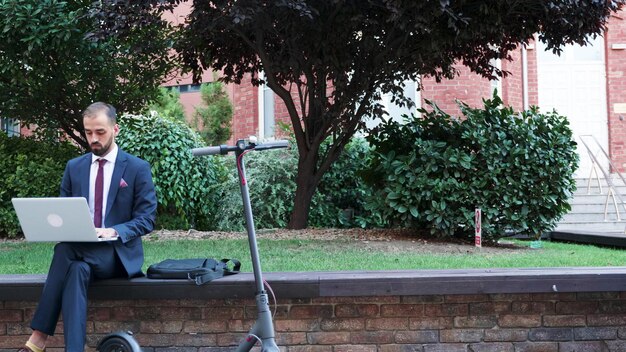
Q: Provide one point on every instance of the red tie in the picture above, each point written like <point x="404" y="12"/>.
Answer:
<point x="97" y="208"/>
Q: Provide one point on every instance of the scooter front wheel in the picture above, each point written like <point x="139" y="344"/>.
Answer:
<point x="119" y="342"/>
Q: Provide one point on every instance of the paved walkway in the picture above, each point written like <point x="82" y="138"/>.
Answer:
<point x="614" y="239"/>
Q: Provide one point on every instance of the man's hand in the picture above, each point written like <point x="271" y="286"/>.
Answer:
<point x="106" y="233"/>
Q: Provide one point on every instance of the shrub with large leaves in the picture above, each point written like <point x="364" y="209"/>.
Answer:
<point x="340" y="200"/>
<point x="188" y="188"/>
<point x="29" y="168"/>
<point x="434" y="170"/>
<point x="271" y="180"/>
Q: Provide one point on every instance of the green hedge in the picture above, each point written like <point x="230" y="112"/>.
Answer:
<point x="434" y="170"/>
<point x="29" y="168"/>
<point x="341" y="198"/>
<point x="188" y="188"/>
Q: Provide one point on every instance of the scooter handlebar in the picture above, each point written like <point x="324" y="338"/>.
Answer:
<point x="225" y="149"/>
<point x="206" y="151"/>
<point x="273" y="145"/>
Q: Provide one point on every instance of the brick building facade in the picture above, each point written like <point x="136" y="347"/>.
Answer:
<point x="616" y="87"/>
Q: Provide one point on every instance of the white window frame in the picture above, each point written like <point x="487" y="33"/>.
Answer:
<point x="263" y="89"/>
<point x="416" y="97"/>
<point x="10" y="126"/>
<point x="497" y="82"/>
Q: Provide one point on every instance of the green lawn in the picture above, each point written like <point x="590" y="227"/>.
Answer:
<point x="309" y="255"/>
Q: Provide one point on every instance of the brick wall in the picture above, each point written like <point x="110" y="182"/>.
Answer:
<point x="533" y="85"/>
<point x="512" y="86"/>
<point x="616" y="86"/>
<point x="426" y="323"/>
<point x="245" y="117"/>
<point x="468" y="87"/>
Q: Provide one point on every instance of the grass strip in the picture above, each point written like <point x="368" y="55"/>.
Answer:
<point x="332" y="255"/>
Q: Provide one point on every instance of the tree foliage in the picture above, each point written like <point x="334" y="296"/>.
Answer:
<point x="50" y="71"/>
<point x="167" y="104"/>
<point x="29" y="168"/>
<point x="213" y="121"/>
<point x="330" y="61"/>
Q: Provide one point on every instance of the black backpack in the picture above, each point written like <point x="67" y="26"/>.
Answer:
<point x="199" y="270"/>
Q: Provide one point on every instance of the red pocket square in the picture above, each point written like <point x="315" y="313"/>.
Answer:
<point x="123" y="183"/>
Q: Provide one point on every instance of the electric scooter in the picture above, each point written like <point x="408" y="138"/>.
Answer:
<point x="263" y="329"/>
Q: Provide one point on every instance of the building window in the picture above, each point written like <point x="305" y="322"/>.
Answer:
<point x="496" y="84"/>
<point x="267" y="120"/>
<point x="396" y="112"/>
<point x="185" y="88"/>
<point x="10" y="126"/>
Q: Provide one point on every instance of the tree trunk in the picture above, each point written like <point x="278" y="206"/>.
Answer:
<point x="311" y="169"/>
<point x="302" y="203"/>
<point x="306" y="184"/>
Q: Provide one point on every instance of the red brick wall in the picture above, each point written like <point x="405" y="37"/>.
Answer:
<point x="280" y="110"/>
<point x="24" y="131"/>
<point x="512" y="86"/>
<point x="533" y="90"/>
<point x="190" y="101"/>
<point x="246" y="116"/>
<point x="468" y="87"/>
<point x="499" y="322"/>
<point x="616" y="90"/>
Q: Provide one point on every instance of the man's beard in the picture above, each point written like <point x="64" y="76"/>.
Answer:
<point x="102" y="150"/>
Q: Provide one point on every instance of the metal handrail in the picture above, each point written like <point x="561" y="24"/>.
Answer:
<point x="612" y="193"/>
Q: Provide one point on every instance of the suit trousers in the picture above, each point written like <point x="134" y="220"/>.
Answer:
<point x="74" y="266"/>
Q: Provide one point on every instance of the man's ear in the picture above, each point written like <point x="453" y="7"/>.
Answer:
<point x="116" y="129"/>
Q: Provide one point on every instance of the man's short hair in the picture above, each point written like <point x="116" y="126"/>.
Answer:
<point x="97" y="107"/>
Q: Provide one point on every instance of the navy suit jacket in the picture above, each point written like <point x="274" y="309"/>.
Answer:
<point x="131" y="203"/>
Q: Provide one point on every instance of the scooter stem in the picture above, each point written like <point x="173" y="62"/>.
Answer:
<point x="263" y="328"/>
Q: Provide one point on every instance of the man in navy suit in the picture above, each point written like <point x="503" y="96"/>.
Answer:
<point x="125" y="211"/>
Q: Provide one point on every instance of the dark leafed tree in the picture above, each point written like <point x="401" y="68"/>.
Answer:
<point x="331" y="60"/>
<point x="50" y="71"/>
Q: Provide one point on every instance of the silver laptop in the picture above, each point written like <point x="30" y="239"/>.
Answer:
<point x="63" y="219"/>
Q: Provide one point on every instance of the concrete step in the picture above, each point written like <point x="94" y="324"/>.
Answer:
<point x="581" y="217"/>
<point x="585" y="180"/>
<point x="592" y="226"/>
<point x="582" y="185"/>
<point x="583" y="203"/>
<point x="587" y="213"/>
<point x="587" y="207"/>
<point x="596" y="192"/>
